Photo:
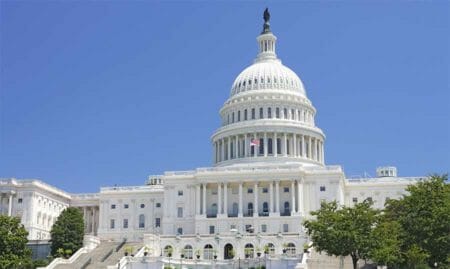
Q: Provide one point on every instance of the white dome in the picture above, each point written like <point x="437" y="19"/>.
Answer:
<point x="268" y="74"/>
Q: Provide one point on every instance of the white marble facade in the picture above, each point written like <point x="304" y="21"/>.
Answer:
<point x="268" y="173"/>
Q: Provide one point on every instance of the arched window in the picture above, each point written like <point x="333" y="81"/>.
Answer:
<point x="208" y="252"/>
<point x="269" y="248"/>
<point x="287" y="208"/>
<point x="290" y="249"/>
<point x="141" y="221"/>
<point x="269" y="146"/>
<point x="168" y="251"/>
<point x="232" y="117"/>
<point x="261" y="113"/>
<point x="288" y="147"/>
<point x="187" y="252"/>
<point x="250" y="209"/>
<point x="249" y="251"/>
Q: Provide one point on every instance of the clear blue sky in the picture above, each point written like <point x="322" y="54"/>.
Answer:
<point x="108" y="92"/>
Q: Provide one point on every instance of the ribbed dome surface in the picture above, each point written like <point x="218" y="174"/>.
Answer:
<point x="270" y="74"/>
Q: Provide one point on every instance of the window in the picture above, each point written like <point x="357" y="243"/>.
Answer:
<point x="285" y="228"/>
<point x="180" y="193"/>
<point x="322" y="188"/>
<point x="269" y="112"/>
<point x="180" y="212"/>
<point x="20" y="200"/>
<point x="187" y="251"/>
<point x="245" y="114"/>
<point x="142" y="205"/>
<point x="264" y="228"/>
<point x="250" y="209"/>
<point x="158" y="204"/>
<point x="239" y="116"/>
<point x="232" y="117"/>
<point x="112" y="223"/>
<point x="113" y="206"/>
<point x="180" y="230"/>
<point x="269" y="146"/>
<point x="287" y="208"/>
<point x="265" y="190"/>
<point x="369" y="199"/>
<point x="249" y="190"/>
<point x="285" y="116"/>
<point x="125" y="223"/>
<point x="157" y="222"/>
<point x="253" y="114"/>
<point x="232" y="226"/>
<point x="355" y="200"/>
<point x="211" y="229"/>
<point x="277" y="112"/>
<point x="249" y="228"/>
<point x="292" y="114"/>
<point x="265" y="208"/>
<point x="286" y="189"/>
<point x="261" y="113"/>
<point x="261" y="146"/>
<point x="141" y="221"/>
<point x="125" y="206"/>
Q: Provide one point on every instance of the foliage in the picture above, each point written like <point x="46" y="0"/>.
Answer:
<point x="41" y="263"/>
<point x="424" y="215"/>
<point x="343" y="231"/>
<point x="13" y="239"/>
<point x="67" y="232"/>
<point x="386" y="249"/>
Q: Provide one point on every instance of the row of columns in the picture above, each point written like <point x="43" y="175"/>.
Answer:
<point x="238" y="146"/>
<point x="305" y="116"/>
<point x="296" y="191"/>
<point x="9" y="196"/>
<point x="89" y="216"/>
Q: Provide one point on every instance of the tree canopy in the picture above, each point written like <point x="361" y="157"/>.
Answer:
<point x="67" y="232"/>
<point x="14" y="252"/>
<point x="343" y="231"/>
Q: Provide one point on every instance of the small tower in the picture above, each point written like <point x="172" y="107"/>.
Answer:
<point x="387" y="171"/>
<point x="266" y="41"/>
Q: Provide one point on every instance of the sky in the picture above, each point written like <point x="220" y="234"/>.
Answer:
<point x="99" y="93"/>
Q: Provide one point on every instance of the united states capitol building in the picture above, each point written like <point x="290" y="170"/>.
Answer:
<point x="268" y="173"/>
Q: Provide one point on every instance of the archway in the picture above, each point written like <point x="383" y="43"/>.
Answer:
<point x="228" y="252"/>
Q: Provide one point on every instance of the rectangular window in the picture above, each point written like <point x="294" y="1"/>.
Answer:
<point x="249" y="190"/>
<point x="249" y="228"/>
<point x="141" y="221"/>
<point x="113" y="206"/>
<point x="211" y="229"/>
<point x="158" y="204"/>
<point x="286" y="189"/>
<point x="180" y="212"/>
<point x="265" y="190"/>
<point x="232" y="226"/>
<point x="269" y="112"/>
<point x="277" y="112"/>
<point x="369" y="199"/>
<point x="125" y="223"/>
<point x="142" y="205"/>
<point x="232" y="117"/>
<point x="355" y="200"/>
<point x="292" y="114"/>
<point x="261" y="113"/>
<point x="157" y="222"/>
<point x="180" y="193"/>
<point x="239" y="115"/>
<point x="285" y="228"/>
<point x="180" y="230"/>
<point x="322" y="188"/>
<point x="20" y="200"/>
<point x="264" y="228"/>
<point x="125" y="206"/>
<point x="112" y="223"/>
<point x="253" y="114"/>
<point x="261" y="146"/>
<point x="245" y="114"/>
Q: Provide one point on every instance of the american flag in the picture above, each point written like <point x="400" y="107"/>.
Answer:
<point x="254" y="142"/>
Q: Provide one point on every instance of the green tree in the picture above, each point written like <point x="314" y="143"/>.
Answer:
<point x="424" y="215"/>
<point x="386" y="238"/>
<point x="14" y="252"/>
<point x="343" y="231"/>
<point x="67" y="232"/>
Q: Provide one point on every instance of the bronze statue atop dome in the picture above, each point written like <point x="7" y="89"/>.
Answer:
<point x="266" y="27"/>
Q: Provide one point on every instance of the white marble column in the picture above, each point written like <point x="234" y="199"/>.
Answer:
<point x="303" y="147"/>
<point x="285" y="145"/>
<point x="222" y="151"/>
<point x="300" y="196"/>
<point x="197" y="201"/>
<point x="323" y="153"/>
<point x="85" y="217"/>
<point x="265" y="145"/>
<point x="240" y="200"/>
<point x="295" y="144"/>
<point x="275" y="145"/>
<point x="245" y="146"/>
<point x="236" y="147"/>
<point x="277" y="196"/>
<point x="10" y="204"/>
<point x="271" y="197"/>
<point x="204" y="199"/>
<point x="225" y="198"/>
<point x="315" y="150"/>
<point x="219" y="198"/>
<point x="293" y="197"/>
<point x="255" y="206"/>
<point x="93" y="221"/>
<point x="229" y="148"/>
<point x="309" y="148"/>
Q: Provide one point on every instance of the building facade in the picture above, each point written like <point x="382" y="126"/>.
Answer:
<point x="268" y="174"/>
